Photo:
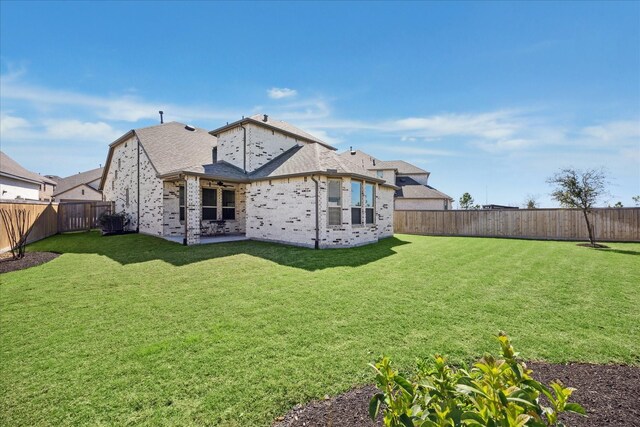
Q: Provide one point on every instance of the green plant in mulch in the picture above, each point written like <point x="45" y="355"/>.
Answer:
<point x="496" y="391"/>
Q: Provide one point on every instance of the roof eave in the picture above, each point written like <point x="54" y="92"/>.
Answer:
<point x="21" y="178"/>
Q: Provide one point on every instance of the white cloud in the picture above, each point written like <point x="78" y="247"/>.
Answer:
<point x="515" y="144"/>
<point x="281" y="92"/>
<point x="12" y="125"/>
<point x="77" y="130"/>
<point x="614" y="131"/>
<point x="498" y="124"/>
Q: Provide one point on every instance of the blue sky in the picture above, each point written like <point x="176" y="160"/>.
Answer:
<point x="491" y="98"/>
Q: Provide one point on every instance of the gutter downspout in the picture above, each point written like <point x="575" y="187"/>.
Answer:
<point x="138" y="200"/>
<point x="317" y="243"/>
<point x="244" y="144"/>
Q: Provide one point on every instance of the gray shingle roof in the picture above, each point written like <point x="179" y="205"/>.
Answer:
<point x="171" y="146"/>
<point x="403" y="168"/>
<point x="306" y="159"/>
<point x="411" y="189"/>
<point x="87" y="177"/>
<point x="11" y="168"/>
<point x="372" y="163"/>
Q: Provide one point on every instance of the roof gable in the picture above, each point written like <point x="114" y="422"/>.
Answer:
<point x="82" y="178"/>
<point x="277" y="125"/>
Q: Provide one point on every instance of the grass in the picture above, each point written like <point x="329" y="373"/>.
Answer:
<point x="136" y="330"/>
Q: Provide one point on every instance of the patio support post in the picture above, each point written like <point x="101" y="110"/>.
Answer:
<point x="193" y="209"/>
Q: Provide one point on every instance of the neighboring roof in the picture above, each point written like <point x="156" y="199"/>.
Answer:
<point x="12" y="169"/>
<point x="499" y="207"/>
<point x="55" y="178"/>
<point x="82" y="178"/>
<point x="403" y="168"/>
<point x="420" y="192"/>
<point x="411" y="189"/>
<point x="372" y="163"/>
<point x="279" y="125"/>
<point x="170" y="147"/>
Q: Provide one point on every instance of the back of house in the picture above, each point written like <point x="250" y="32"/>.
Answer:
<point x="258" y="177"/>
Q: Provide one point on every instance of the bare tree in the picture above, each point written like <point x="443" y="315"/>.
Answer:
<point x="579" y="189"/>
<point x="636" y="200"/>
<point x="18" y="226"/>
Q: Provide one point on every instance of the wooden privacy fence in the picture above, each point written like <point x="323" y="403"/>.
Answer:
<point x="610" y="224"/>
<point x="78" y="216"/>
<point x="43" y="220"/>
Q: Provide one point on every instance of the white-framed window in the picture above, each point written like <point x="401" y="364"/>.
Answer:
<point x="209" y="203"/>
<point x="369" y="203"/>
<point x="228" y="204"/>
<point x="356" y="202"/>
<point x="380" y="174"/>
<point x="181" y="201"/>
<point x="334" y="201"/>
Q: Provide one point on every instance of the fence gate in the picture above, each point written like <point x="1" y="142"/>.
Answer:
<point x="79" y="216"/>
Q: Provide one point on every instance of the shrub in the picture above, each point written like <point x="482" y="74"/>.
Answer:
<point x="113" y="223"/>
<point x="494" y="392"/>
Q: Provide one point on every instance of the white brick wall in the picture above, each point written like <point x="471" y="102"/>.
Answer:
<point x="263" y="145"/>
<point x="122" y="178"/>
<point x="284" y="211"/>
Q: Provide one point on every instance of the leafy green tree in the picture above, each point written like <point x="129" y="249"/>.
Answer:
<point x="618" y="205"/>
<point x="531" y="202"/>
<point x="579" y="189"/>
<point x="636" y="200"/>
<point x="466" y="201"/>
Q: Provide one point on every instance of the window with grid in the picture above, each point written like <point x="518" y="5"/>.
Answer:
<point x="334" y="202"/>
<point x="209" y="203"/>
<point x="228" y="204"/>
<point x="181" y="202"/>
<point x="369" y="203"/>
<point x="356" y="202"/>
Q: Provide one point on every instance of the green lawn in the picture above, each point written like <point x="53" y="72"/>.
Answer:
<point x="136" y="330"/>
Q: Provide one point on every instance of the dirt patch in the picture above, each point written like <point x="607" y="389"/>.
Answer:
<point x="31" y="259"/>
<point x="609" y="393"/>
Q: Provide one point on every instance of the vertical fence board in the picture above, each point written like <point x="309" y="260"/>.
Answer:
<point x="610" y="224"/>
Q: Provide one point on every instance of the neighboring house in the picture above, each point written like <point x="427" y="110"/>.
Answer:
<point x="498" y="207"/>
<point x="83" y="186"/>
<point x="258" y="177"/>
<point x="17" y="182"/>
<point x="414" y="192"/>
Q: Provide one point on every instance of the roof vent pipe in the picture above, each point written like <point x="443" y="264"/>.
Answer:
<point x="161" y="119"/>
<point x="265" y="118"/>
<point x="353" y="152"/>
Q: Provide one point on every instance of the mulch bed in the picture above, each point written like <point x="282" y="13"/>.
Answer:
<point x="609" y="393"/>
<point x="31" y="259"/>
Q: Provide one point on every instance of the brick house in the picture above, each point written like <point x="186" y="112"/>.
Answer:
<point x="414" y="192"/>
<point x="259" y="178"/>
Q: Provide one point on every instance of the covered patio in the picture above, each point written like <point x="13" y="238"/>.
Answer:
<point x="201" y="208"/>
